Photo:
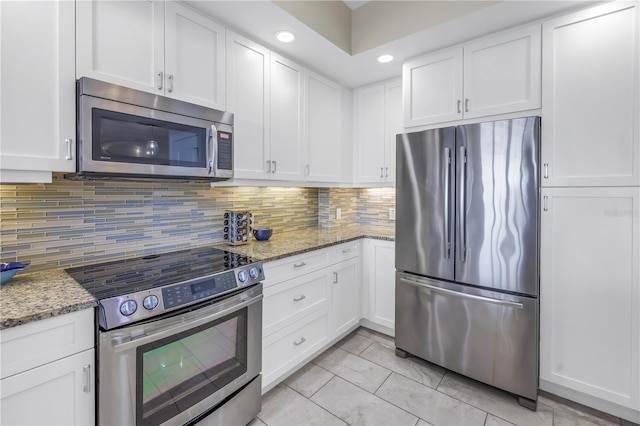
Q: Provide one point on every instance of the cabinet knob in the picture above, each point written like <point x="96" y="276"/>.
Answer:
<point x="160" y="75"/>
<point x="335" y="278"/>
<point x="546" y="170"/>
<point x="466" y="105"/>
<point x="381" y="171"/>
<point x="459" y="106"/>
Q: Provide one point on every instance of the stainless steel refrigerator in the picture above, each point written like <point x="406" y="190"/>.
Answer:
<point x="467" y="257"/>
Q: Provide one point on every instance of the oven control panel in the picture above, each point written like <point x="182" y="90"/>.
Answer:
<point x="120" y="310"/>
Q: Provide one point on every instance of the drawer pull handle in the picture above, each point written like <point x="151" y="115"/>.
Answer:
<point x="299" y="341"/>
<point x="299" y="265"/>
<point x="335" y="278"/>
<point x="346" y="251"/>
<point x="87" y="378"/>
<point x="299" y="298"/>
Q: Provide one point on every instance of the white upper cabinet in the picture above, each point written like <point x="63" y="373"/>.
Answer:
<point x="323" y="129"/>
<point x="37" y="103"/>
<point x="378" y="118"/>
<point x="590" y="295"/>
<point x="493" y="75"/>
<point x="171" y="51"/>
<point x="265" y="93"/>
<point x="248" y="99"/>
<point x="502" y="73"/>
<point x="286" y="140"/>
<point x="590" y="98"/>
<point x="194" y="57"/>
<point x="432" y="88"/>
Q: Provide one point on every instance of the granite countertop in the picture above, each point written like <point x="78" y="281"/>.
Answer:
<point x="291" y="243"/>
<point x="40" y="295"/>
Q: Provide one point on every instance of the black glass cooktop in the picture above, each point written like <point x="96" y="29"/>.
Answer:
<point x="141" y="273"/>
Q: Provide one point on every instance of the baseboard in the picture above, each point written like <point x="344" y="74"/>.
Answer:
<point x="377" y="327"/>
<point x="591" y="401"/>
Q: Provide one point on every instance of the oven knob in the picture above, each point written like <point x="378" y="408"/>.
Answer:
<point x="150" y="302"/>
<point x="128" y="307"/>
<point x="253" y="272"/>
<point x="242" y="276"/>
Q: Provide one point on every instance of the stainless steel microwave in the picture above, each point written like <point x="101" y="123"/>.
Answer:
<point x="126" y="133"/>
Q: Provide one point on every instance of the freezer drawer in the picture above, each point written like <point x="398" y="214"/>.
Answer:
<point x="488" y="336"/>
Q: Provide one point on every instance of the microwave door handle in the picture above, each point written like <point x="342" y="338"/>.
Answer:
<point x="146" y="338"/>
<point x="213" y="142"/>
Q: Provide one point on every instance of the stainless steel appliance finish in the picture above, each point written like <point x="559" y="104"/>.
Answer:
<point x="487" y="335"/>
<point x="123" y="352"/>
<point x="179" y="337"/>
<point x="467" y="250"/>
<point x="127" y="133"/>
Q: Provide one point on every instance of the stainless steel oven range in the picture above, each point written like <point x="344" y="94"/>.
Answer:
<point x="179" y="338"/>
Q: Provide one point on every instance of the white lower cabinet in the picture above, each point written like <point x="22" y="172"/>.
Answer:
<point x="48" y="371"/>
<point x="310" y="301"/>
<point x="289" y="347"/>
<point x="58" y="393"/>
<point x="378" y="274"/>
<point x="345" y="296"/>
<point x="590" y="297"/>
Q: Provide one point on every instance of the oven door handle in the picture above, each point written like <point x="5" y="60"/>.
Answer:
<point x="147" y="338"/>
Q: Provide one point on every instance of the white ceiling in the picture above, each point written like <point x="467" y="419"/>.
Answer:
<point x="259" y="20"/>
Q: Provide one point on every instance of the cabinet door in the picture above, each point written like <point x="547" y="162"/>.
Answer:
<point x="502" y="73"/>
<point x="37" y="119"/>
<point x="248" y="99"/>
<point x="380" y="274"/>
<point x="59" y="393"/>
<point x="345" y="312"/>
<point x="591" y="91"/>
<point x="195" y="59"/>
<point x="392" y="127"/>
<point x="432" y="88"/>
<point x="590" y="294"/>
<point x="122" y="42"/>
<point x="286" y="119"/>
<point x="323" y="127"/>
<point x="370" y="132"/>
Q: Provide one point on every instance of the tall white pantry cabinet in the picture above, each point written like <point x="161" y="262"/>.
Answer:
<point x="590" y="218"/>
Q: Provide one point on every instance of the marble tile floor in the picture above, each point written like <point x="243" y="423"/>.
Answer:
<point x="360" y="381"/>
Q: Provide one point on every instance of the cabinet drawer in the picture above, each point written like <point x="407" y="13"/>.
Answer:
<point x="40" y="342"/>
<point x="295" y="266"/>
<point x="284" y="349"/>
<point x="288" y="301"/>
<point x="345" y="251"/>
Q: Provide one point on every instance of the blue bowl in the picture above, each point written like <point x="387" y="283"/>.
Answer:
<point x="262" y="234"/>
<point x="7" y="275"/>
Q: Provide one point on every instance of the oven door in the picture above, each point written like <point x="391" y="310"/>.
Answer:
<point x="172" y="370"/>
<point x="116" y="138"/>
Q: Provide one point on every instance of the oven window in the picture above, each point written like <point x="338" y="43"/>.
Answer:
<point x="179" y="371"/>
<point x="126" y="138"/>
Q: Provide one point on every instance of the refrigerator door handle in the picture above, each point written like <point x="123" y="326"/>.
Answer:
<point x="447" y="168"/>
<point x="462" y="225"/>
<point x="508" y="303"/>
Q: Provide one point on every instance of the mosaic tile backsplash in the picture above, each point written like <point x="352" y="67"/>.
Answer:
<point x="67" y="223"/>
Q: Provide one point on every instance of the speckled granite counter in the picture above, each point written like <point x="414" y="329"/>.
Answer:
<point x="40" y="295"/>
<point x="32" y="297"/>
<point x="292" y="243"/>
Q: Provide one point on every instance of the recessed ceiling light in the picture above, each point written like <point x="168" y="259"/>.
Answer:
<point x="285" y="36"/>
<point x="385" y="58"/>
